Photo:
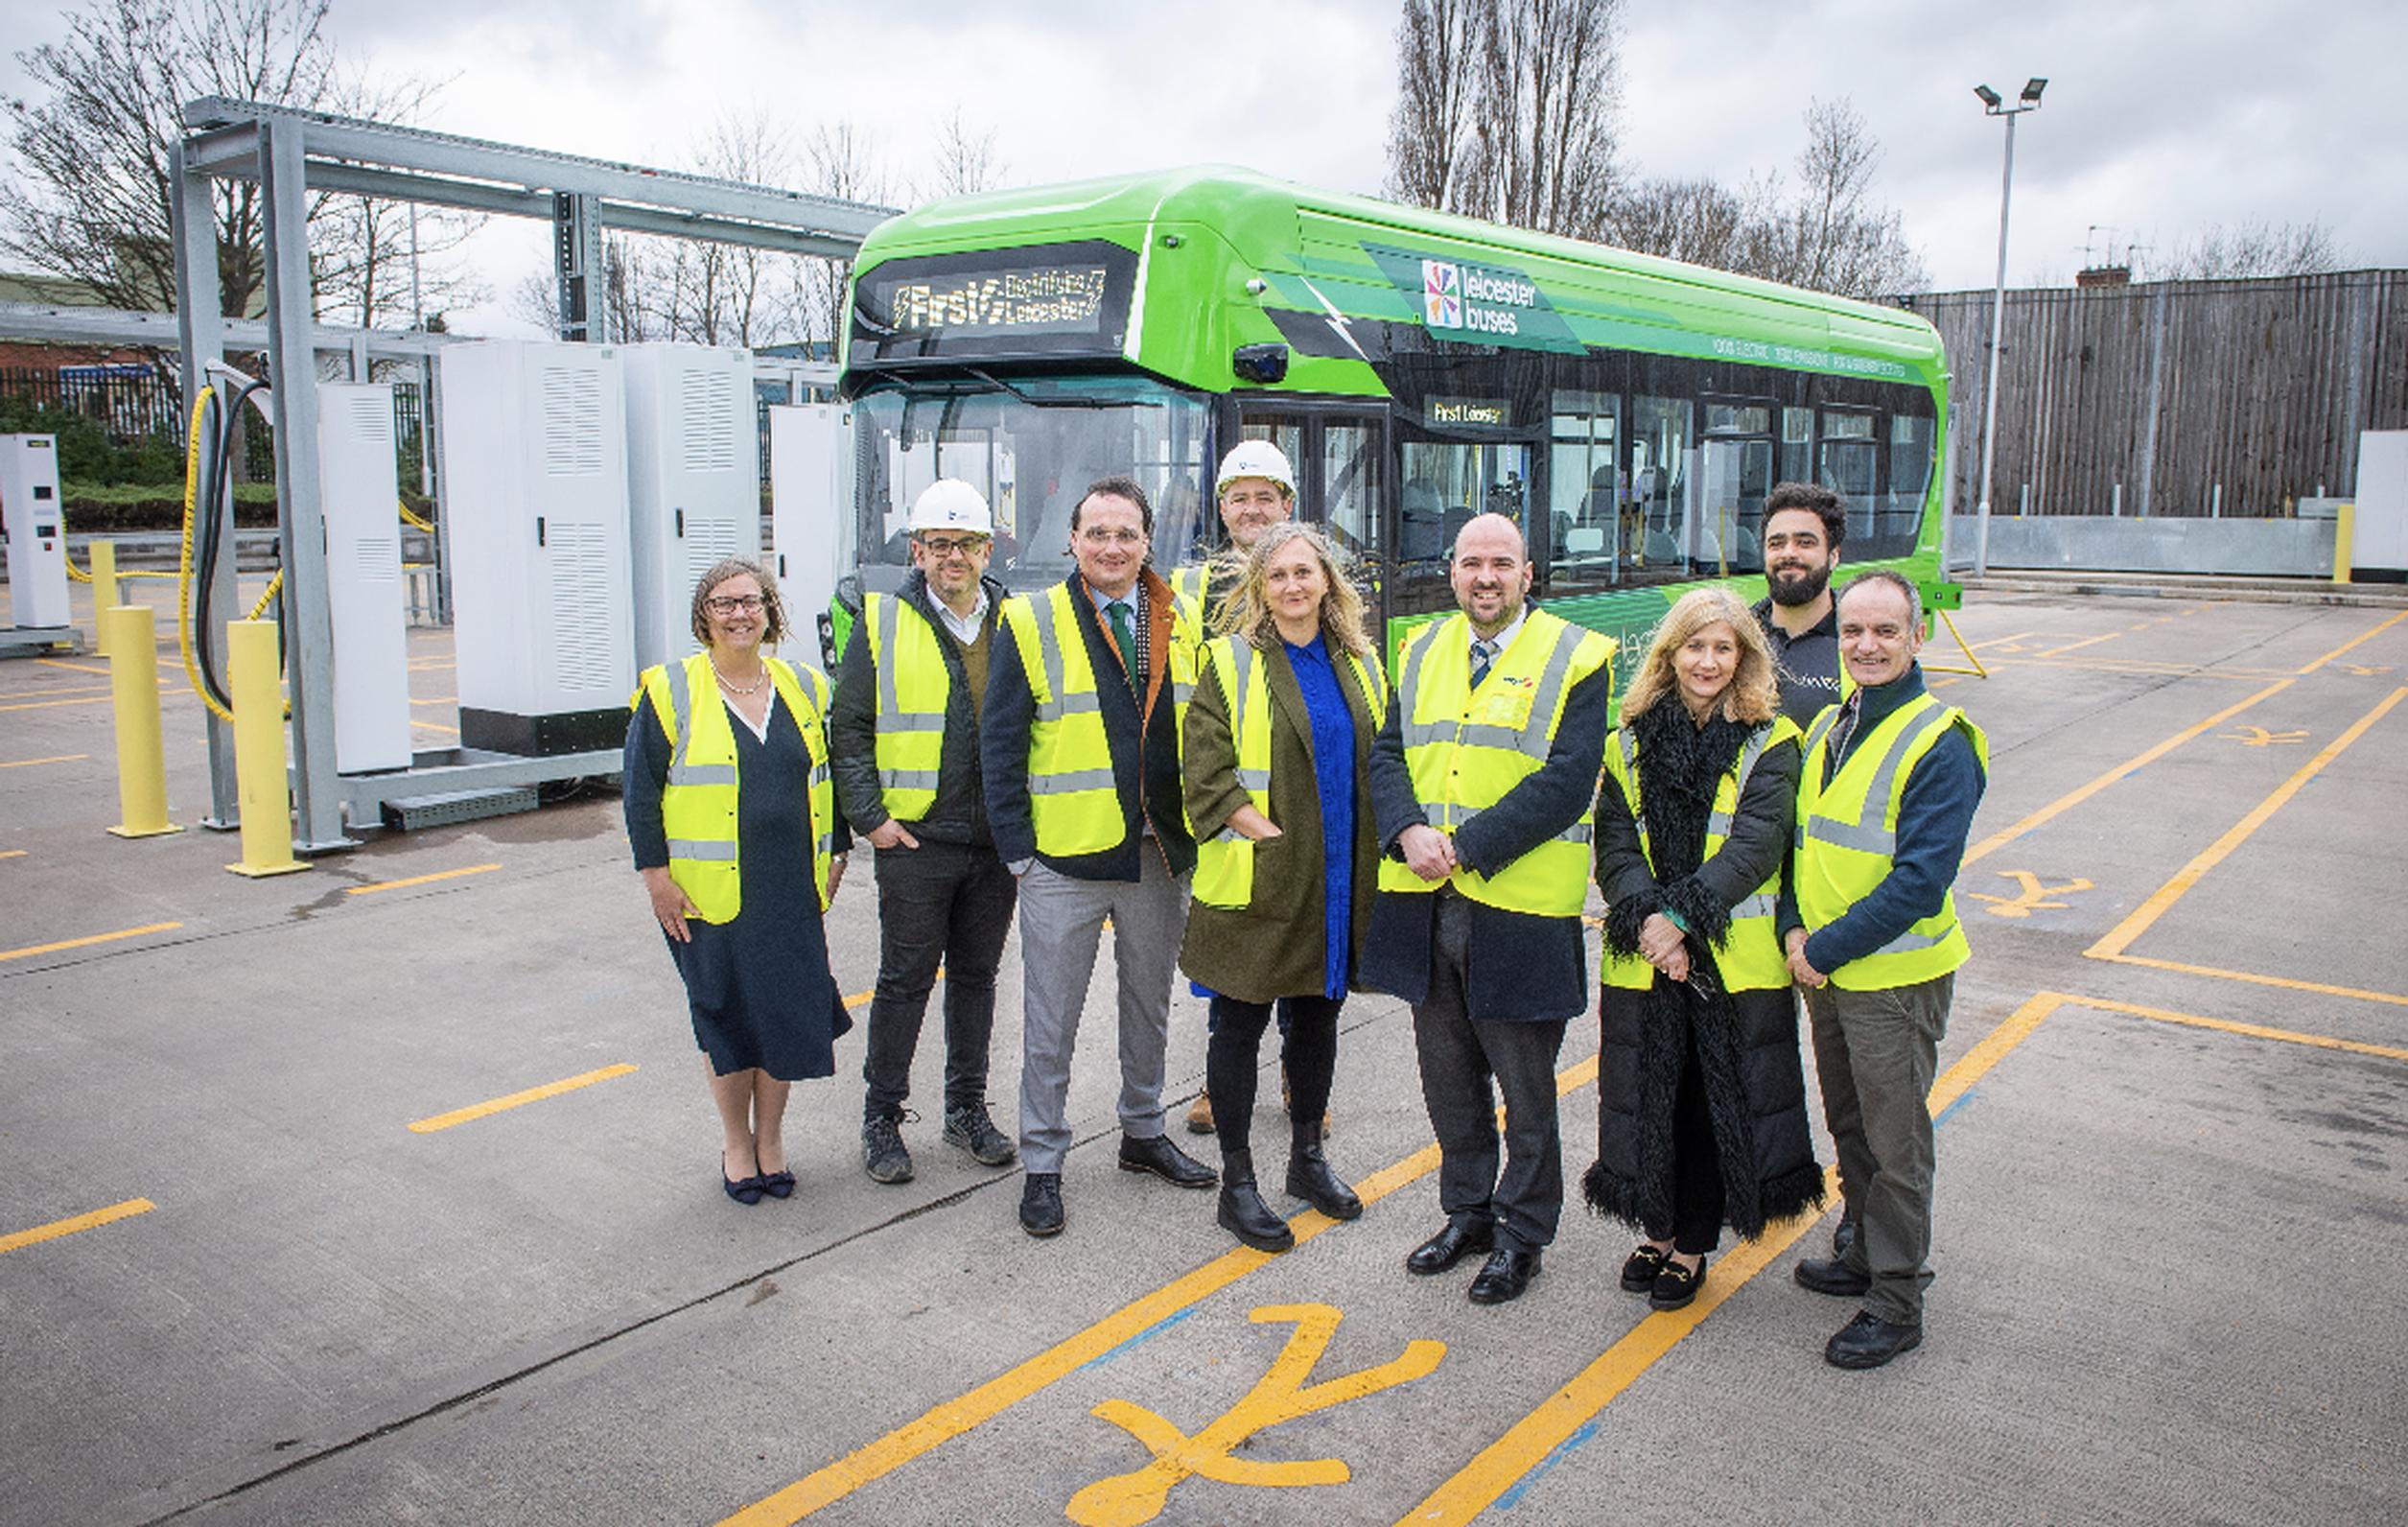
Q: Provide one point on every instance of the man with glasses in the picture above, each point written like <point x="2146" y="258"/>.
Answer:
<point x="904" y="747"/>
<point x="1079" y="745"/>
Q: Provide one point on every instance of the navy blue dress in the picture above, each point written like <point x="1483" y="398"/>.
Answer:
<point x="758" y="987"/>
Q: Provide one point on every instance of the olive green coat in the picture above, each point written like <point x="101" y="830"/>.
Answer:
<point x="1276" y="946"/>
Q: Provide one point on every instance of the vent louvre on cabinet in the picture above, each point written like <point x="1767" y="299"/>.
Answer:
<point x="710" y="398"/>
<point x="582" y="607"/>
<point x="573" y="422"/>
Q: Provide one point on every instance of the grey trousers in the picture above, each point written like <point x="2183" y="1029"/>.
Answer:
<point x="1877" y="1053"/>
<point x="1458" y="1058"/>
<point x="1061" y="919"/>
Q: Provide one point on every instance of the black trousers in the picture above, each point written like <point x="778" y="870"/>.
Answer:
<point x="1697" y="1224"/>
<point x="1233" y="1065"/>
<point x="940" y="904"/>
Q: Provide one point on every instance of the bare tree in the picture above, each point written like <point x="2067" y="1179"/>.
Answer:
<point x="1701" y="220"/>
<point x="1505" y="110"/>
<point x="841" y="161"/>
<point x="2256" y="248"/>
<point x="966" y="158"/>
<point x="725" y="294"/>
<point x="92" y="196"/>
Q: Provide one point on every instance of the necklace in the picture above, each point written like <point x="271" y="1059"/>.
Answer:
<point x="734" y="688"/>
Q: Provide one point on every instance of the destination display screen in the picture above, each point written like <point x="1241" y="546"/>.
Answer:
<point x="1047" y="300"/>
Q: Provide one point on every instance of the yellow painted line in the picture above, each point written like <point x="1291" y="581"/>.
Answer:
<point x="533" y="1095"/>
<point x="2254" y="979"/>
<point x="165" y="693"/>
<point x="57" y="691"/>
<point x="1997" y="640"/>
<point x="91" y="938"/>
<point x="2087" y="640"/>
<point x="80" y="1222"/>
<point x="436" y="726"/>
<point x="2121" y="936"/>
<point x="2065" y="803"/>
<point x="28" y="763"/>
<point x="79" y="667"/>
<point x="2251" y="1030"/>
<point x="915" y="1438"/>
<point x="1529" y="1441"/>
<point x="439" y="699"/>
<point x="1941" y="684"/>
<point x="15" y="853"/>
<point x="417" y="879"/>
<point x="2363" y="635"/>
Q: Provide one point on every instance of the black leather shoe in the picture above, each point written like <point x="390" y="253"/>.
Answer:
<point x="1869" y="1341"/>
<point x="1310" y="1179"/>
<point x="1040" y="1204"/>
<point x="1833" y="1276"/>
<point x="1165" y="1161"/>
<point x="1676" y="1286"/>
<point x="1503" y="1277"/>
<point x="1638" y="1274"/>
<point x="1842" y="1236"/>
<point x="1243" y="1212"/>
<point x="1458" y="1240"/>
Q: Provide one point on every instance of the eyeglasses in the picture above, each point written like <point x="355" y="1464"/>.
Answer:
<point x="732" y="604"/>
<point x="966" y="545"/>
<point x="1101" y="536"/>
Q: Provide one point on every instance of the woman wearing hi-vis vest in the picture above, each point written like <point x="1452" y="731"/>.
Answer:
<point x="1702" y="1101"/>
<point x="1276" y="742"/>
<point x="737" y="836"/>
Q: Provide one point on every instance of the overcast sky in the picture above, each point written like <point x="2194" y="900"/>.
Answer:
<point x="2161" y="116"/>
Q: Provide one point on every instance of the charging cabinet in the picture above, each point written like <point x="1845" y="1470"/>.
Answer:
<point x="358" y="489"/>
<point x="35" y="522"/>
<point x="693" y="483"/>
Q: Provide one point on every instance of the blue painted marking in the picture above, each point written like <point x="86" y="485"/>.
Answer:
<point x="1950" y="1112"/>
<point x="1555" y="1456"/>
<point x="1147" y="1334"/>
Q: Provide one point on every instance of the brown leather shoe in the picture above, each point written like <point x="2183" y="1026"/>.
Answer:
<point x="1200" y="1115"/>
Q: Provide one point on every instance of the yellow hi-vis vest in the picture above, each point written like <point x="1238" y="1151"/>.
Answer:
<point x="915" y="684"/>
<point x="1225" y="862"/>
<point x="1751" y="960"/>
<point x="1074" y="801"/>
<point x="699" y="804"/>
<point x="1466" y="748"/>
<point x="1847" y="832"/>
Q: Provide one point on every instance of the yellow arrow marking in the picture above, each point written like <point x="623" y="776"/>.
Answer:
<point x="2253" y="736"/>
<point x="2028" y="900"/>
<point x="1126" y="1500"/>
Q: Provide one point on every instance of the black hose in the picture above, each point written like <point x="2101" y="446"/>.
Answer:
<point x="214" y="513"/>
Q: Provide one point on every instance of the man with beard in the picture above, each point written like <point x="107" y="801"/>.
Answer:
<point x="1804" y="525"/>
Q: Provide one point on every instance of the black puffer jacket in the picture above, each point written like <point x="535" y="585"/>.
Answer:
<point x="959" y="813"/>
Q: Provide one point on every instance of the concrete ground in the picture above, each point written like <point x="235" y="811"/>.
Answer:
<point x="236" y="1287"/>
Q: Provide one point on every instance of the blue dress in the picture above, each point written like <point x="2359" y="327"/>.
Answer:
<point x="1333" y="773"/>
<point x="758" y="987"/>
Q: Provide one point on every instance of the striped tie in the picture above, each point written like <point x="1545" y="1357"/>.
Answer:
<point x="1484" y="653"/>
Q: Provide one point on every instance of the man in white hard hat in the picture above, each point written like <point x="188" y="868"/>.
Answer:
<point x="1255" y="490"/>
<point x="904" y="747"/>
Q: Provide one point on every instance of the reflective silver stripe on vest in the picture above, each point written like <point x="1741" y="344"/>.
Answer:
<point x="1049" y="654"/>
<point x="1910" y="942"/>
<point x="1757" y="905"/>
<point x="1257" y="781"/>
<point x="1242" y="663"/>
<point x="1434" y="811"/>
<point x="682" y="714"/>
<point x="1071" y="783"/>
<point x="1719" y="823"/>
<point x="890" y="709"/>
<point x="1183" y="693"/>
<point x="1529" y="737"/>
<point x="1823" y="724"/>
<point x="907" y="779"/>
<point x="1876" y="838"/>
<point x="686" y="848"/>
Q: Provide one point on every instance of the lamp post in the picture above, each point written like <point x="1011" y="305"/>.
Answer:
<point x="1994" y="105"/>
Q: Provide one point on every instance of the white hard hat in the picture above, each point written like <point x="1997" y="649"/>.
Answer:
<point x="950" y="504"/>
<point x="1255" y="458"/>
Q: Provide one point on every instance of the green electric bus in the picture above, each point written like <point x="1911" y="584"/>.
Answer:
<point x="1629" y="413"/>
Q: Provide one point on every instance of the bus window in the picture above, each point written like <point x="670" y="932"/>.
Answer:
<point x="1653" y="527"/>
<point x="1738" y="475"/>
<point x="1585" y="499"/>
<point x="1797" y="445"/>
<point x="1847" y="465"/>
<point x="1910" y="479"/>
<point x="1350" y="485"/>
<point x="1446" y="483"/>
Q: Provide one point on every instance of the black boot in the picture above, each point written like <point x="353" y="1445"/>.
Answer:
<point x="1310" y="1179"/>
<point x="1243" y="1212"/>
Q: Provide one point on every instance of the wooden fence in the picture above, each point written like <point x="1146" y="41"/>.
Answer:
<point x="2150" y="399"/>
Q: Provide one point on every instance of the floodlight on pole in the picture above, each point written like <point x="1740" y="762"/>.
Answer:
<point x="1992" y="105"/>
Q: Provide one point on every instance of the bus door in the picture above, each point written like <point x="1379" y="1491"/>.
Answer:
<point x="1736" y="473"/>
<point x="1339" y="452"/>
<point x="1445" y="484"/>
<point x="1847" y="461"/>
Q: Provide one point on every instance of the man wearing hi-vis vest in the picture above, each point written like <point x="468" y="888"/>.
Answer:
<point x="1079" y="748"/>
<point x="1886" y="798"/>
<point x="1482" y="780"/>
<point x="903" y="740"/>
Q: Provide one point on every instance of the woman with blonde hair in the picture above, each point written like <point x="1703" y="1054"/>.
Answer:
<point x="1702" y="1102"/>
<point x="739" y="845"/>
<point x="1277" y="740"/>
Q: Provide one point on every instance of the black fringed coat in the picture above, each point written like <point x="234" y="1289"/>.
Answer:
<point x="1748" y="1042"/>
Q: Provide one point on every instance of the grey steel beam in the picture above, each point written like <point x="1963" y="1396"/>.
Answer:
<point x="365" y="794"/>
<point x="446" y="154"/>
<point x="300" y="510"/>
<point x="404" y="185"/>
<point x="122" y="326"/>
<point x="577" y="269"/>
<point x="231" y="151"/>
<point x="720" y="230"/>
<point x="199" y="340"/>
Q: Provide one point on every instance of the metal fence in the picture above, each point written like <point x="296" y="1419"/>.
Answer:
<point x="2230" y="398"/>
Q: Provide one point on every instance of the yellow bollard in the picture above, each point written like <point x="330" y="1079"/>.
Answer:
<point x="133" y="676"/>
<point x="261" y="783"/>
<point x="2345" y="528"/>
<point x="104" y="554"/>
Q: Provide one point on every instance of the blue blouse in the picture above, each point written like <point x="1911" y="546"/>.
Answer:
<point x="1333" y="773"/>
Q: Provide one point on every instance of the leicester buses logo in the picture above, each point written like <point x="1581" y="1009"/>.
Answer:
<point x="1442" y="294"/>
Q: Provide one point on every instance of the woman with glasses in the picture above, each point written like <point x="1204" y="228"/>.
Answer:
<point x="1700" y="1099"/>
<point x="1287" y="702"/>
<point x="737" y="840"/>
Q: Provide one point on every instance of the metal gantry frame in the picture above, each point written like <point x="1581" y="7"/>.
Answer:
<point x="290" y="154"/>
